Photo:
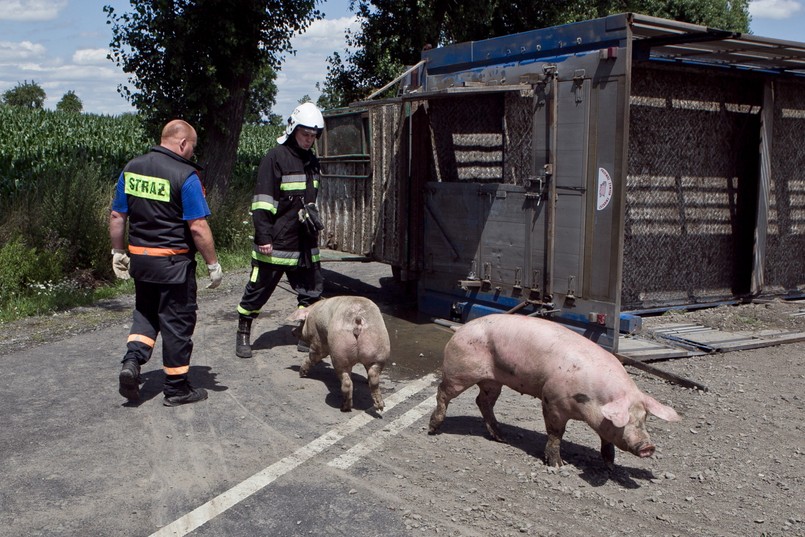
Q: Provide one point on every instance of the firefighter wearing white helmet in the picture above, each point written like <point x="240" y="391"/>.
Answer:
<point x="305" y="115"/>
<point x="286" y="222"/>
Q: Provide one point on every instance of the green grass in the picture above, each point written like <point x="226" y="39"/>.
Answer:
<point x="47" y="298"/>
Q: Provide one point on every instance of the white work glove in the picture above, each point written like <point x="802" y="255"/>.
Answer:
<point x="120" y="263"/>
<point x="216" y="275"/>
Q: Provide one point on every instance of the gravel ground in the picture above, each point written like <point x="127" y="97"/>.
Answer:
<point x="732" y="467"/>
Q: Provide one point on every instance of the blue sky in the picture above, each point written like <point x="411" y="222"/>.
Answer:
<point x="62" y="45"/>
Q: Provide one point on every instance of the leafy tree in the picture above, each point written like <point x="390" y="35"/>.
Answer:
<point x="70" y="103"/>
<point x="197" y="60"/>
<point x="392" y="33"/>
<point x="330" y="96"/>
<point x="26" y="95"/>
<point x="262" y="96"/>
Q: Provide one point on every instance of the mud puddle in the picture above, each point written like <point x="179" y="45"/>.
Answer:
<point x="416" y="343"/>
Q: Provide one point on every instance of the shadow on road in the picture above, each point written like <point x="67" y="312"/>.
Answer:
<point x="201" y="376"/>
<point x="593" y="469"/>
<point x="324" y="373"/>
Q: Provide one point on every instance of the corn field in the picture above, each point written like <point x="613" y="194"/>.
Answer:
<point x="57" y="177"/>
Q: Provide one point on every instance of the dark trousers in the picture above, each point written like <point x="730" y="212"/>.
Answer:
<point x="169" y="310"/>
<point x="307" y="283"/>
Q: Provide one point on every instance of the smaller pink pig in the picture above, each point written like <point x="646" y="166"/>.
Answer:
<point x="574" y="377"/>
<point x="350" y="330"/>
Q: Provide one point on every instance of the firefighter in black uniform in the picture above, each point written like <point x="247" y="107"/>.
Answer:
<point x="286" y="222"/>
<point x="160" y="196"/>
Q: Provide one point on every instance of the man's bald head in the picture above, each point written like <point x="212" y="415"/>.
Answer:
<point x="180" y="137"/>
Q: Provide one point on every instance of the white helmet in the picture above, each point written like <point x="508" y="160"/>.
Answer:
<point x="304" y="115"/>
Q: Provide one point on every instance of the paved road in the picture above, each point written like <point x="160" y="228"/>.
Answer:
<point x="268" y="454"/>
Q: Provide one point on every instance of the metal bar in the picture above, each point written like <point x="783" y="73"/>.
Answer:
<point x="452" y="325"/>
<point x="550" y="213"/>
<point x="357" y="157"/>
<point x="764" y="186"/>
<point x="340" y="176"/>
<point x="519" y="306"/>
<point x="348" y="259"/>
<point x="692" y="37"/>
<point x="387" y="86"/>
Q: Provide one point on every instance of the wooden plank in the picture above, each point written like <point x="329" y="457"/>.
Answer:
<point x="670" y="377"/>
<point x="641" y="349"/>
<point x="759" y="343"/>
<point x="713" y="340"/>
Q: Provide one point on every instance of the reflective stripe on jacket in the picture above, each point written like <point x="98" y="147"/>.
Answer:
<point x="288" y="177"/>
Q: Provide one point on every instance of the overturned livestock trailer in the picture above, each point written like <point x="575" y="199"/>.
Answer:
<point x="584" y="171"/>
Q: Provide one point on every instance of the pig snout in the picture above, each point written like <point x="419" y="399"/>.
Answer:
<point x="643" y="450"/>
<point x="638" y="441"/>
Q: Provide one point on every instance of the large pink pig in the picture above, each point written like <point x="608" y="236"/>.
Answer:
<point x="351" y="330"/>
<point x="574" y="377"/>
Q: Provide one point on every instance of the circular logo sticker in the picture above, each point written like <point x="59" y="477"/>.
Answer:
<point x="604" y="189"/>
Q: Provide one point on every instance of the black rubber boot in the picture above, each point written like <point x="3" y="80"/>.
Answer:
<point x="243" y="348"/>
<point x="191" y="395"/>
<point x="130" y="380"/>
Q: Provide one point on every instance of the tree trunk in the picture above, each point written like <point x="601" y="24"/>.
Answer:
<point x="222" y="133"/>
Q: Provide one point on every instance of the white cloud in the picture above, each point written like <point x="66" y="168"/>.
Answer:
<point x="774" y="9"/>
<point x="300" y="73"/>
<point x="25" y="50"/>
<point x="31" y="10"/>
<point x="59" y="69"/>
<point x="91" y="56"/>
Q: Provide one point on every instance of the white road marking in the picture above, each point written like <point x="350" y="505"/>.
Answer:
<point x="241" y="491"/>
<point x="376" y="440"/>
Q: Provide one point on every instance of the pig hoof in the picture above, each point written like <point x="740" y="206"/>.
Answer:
<point x="346" y="409"/>
<point x="496" y="436"/>
<point x="553" y="460"/>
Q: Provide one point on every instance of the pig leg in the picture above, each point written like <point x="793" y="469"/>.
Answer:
<point x="487" y="396"/>
<point x="312" y="359"/>
<point x="346" y="388"/>
<point x="373" y="375"/>
<point x="444" y="395"/>
<point x="608" y="452"/>
<point x="555" y="427"/>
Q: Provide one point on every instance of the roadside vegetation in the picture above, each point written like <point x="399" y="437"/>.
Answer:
<point x="57" y="176"/>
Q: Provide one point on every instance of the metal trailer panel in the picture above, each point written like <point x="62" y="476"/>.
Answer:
<point x="528" y="46"/>
<point x="785" y="252"/>
<point x="607" y="162"/>
<point x="347" y="200"/>
<point x="691" y="186"/>
<point x="387" y="172"/>
<point x="501" y="246"/>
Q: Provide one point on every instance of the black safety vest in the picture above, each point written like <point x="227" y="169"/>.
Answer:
<point x="160" y="242"/>
<point x="288" y="177"/>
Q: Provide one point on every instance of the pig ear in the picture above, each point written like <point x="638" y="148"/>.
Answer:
<point x="617" y="411"/>
<point x="660" y="410"/>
